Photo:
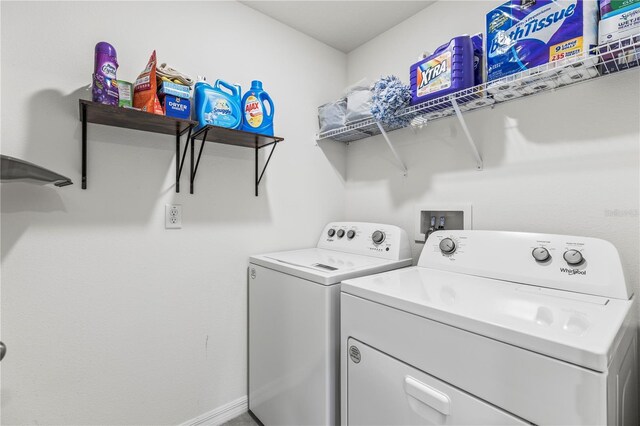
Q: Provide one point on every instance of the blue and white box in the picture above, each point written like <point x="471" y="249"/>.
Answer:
<point x="174" y="89"/>
<point x="176" y="107"/>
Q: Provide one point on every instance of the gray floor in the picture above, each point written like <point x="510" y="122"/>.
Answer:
<point x="242" y="420"/>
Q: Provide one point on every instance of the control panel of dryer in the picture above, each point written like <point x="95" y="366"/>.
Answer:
<point x="579" y="264"/>
<point x="369" y="239"/>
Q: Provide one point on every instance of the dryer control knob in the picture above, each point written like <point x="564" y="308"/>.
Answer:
<point x="340" y="233"/>
<point x="331" y="232"/>
<point x="378" y="237"/>
<point x="573" y="257"/>
<point x="447" y="246"/>
<point x="541" y="254"/>
<point x="351" y="234"/>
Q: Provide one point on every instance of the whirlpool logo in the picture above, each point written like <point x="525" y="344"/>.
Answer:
<point x="570" y="271"/>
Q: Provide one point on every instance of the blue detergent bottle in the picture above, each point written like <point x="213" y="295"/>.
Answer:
<point x="218" y="105"/>
<point x="257" y="118"/>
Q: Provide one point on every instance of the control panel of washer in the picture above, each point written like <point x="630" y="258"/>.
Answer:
<point x="370" y="239"/>
<point x="579" y="264"/>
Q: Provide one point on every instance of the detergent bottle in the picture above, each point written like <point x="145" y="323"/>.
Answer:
<point x="257" y="118"/>
<point x="217" y="105"/>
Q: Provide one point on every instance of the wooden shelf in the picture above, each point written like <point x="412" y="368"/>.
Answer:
<point x="132" y="119"/>
<point x="96" y="113"/>
<point x="108" y="115"/>
<point x="226" y="136"/>
<point x="16" y="170"/>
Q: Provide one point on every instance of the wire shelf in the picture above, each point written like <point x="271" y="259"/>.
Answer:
<point x="607" y="59"/>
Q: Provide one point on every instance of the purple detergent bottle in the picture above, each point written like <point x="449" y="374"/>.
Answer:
<point x="105" y="87"/>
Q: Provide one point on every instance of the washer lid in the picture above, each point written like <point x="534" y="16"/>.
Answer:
<point x="326" y="266"/>
<point x="581" y="329"/>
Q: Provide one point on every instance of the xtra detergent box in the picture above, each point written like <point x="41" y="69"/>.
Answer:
<point x="524" y="34"/>
<point x="174" y="106"/>
<point x="449" y="69"/>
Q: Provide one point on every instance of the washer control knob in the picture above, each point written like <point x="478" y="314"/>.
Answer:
<point x="331" y="232"/>
<point x="340" y="233"/>
<point x="541" y="254"/>
<point x="378" y="237"/>
<point x="351" y="234"/>
<point x="447" y="246"/>
<point x="573" y="257"/>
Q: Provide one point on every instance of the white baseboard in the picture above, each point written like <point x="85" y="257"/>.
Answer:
<point x="219" y="415"/>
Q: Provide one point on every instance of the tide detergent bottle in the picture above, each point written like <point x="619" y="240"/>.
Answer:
<point x="218" y="105"/>
<point x="257" y="118"/>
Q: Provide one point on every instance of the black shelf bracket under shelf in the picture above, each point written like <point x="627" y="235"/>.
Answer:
<point x="258" y="179"/>
<point x="92" y="112"/>
<point x="179" y="159"/>
<point x="230" y="137"/>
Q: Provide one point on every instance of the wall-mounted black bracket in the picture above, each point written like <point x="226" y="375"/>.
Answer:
<point x="258" y="179"/>
<point x="179" y="159"/>
<point x="231" y="137"/>
<point x="93" y="112"/>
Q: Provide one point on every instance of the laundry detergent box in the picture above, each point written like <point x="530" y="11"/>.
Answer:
<point x="449" y="69"/>
<point x="524" y="34"/>
<point x="176" y="107"/>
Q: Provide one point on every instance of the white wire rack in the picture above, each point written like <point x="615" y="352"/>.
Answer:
<point x="611" y="58"/>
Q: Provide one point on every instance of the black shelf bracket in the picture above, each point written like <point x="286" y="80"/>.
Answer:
<point x="194" y="168"/>
<point x="84" y="146"/>
<point x="230" y="137"/>
<point x="91" y="112"/>
<point x="258" y="179"/>
<point x="180" y="159"/>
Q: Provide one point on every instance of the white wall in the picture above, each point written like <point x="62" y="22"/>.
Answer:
<point x="108" y="317"/>
<point x="564" y="162"/>
<point x="111" y="319"/>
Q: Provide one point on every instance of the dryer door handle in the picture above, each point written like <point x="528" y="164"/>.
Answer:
<point x="427" y="395"/>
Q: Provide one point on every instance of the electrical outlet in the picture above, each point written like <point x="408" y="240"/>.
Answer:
<point x="173" y="216"/>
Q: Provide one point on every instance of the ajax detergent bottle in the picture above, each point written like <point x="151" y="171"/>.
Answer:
<point x="257" y="118"/>
<point x="218" y="105"/>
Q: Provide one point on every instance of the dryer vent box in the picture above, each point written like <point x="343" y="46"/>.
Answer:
<point x="456" y="216"/>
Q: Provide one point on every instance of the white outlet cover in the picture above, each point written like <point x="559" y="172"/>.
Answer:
<point x="440" y="207"/>
<point x="173" y="216"/>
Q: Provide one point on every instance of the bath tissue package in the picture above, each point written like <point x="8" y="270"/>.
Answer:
<point x="523" y="34"/>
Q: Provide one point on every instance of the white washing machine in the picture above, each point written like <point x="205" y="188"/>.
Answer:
<point x="492" y="328"/>
<point x="294" y="319"/>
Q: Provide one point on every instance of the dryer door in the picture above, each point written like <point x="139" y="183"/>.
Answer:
<point x="383" y="391"/>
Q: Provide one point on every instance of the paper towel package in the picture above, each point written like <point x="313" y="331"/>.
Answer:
<point x="523" y="34"/>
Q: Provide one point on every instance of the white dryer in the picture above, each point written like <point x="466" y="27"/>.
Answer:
<point x="492" y="328"/>
<point x="294" y="319"/>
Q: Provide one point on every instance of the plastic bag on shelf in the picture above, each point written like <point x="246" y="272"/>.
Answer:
<point x="332" y="115"/>
<point x="359" y="97"/>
